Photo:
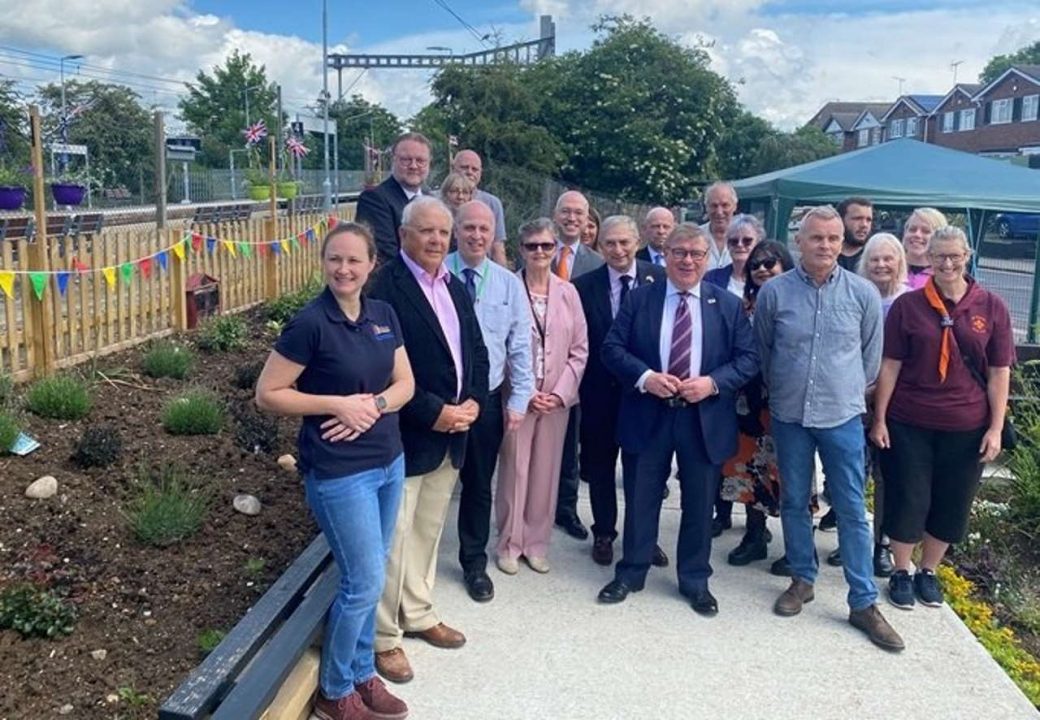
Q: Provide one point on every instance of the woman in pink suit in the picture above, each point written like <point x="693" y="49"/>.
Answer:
<point x="530" y="458"/>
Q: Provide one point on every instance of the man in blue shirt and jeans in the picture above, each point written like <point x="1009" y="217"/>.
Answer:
<point x="819" y="329"/>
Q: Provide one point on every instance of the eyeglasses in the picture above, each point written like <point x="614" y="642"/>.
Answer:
<point x="740" y="241"/>
<point x="952" y="259"/>
<point x="417" y="161"/>
<point x="768" y="263"/>
<point x="542" y="246"/>
<point x="683" y="253"/>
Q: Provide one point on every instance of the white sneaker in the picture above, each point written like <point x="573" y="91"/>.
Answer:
<point x="538" y="564"/>
<point x="508" y="565"/>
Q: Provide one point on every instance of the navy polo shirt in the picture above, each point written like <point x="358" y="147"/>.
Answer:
<point x="341" y="357"/>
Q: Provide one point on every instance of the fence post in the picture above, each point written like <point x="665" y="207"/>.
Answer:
<point x="178" y="283"/>
<point x="271" y="232"/>
<point x="1034" y="297"/>
<point x="160" y="171"/>
<point x="40" y="320"/>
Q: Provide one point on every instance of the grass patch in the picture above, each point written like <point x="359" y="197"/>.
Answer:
<point x="223" y="333"/>
<point x="196" y="412"/>
<point x="60" y="397"/>
<point x="284" y="307"/>
<point x="166" y="508"/>
<point x="208" y="640"/>
<point x="35" y="612"/>
<point x="6" y="389"/>
<point x="9" y="429"/>
<point x="168" y="359"/>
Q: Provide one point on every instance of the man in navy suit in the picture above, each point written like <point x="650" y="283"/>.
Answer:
<point x="602" y="293"/>
<point x="657" y="226"/>
<point x="681" y="350"/>
<point x="381" y="207"/>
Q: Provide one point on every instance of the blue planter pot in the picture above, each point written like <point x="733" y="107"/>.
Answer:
<point x="67" y="194"/>
<point x="12" y="197"/>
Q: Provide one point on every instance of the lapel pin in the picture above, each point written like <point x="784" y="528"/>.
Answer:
<point x="711" y="301"/>
<point x="649" y="278"/>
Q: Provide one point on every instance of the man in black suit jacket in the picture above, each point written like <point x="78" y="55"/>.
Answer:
<point x="450" y="365"/>
<point x="680" y="350"/>
<point x="657" y="226"/>
<point x="381" y="207"/>
<point x="602" y="292"/>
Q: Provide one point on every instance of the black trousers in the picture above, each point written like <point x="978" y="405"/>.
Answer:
<point x="482" y="445"/>
<point x="567" y="493"/>
<point x="678" y="433"/>
<point x="599" y="454"/>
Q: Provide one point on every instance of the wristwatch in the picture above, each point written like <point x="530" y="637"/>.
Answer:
<point x="380" y="403"/>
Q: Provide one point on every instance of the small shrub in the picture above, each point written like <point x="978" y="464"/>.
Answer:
<point x="284" y="307"/>
<point x="35" y="612"/>
<point x="209" y="639"/>
<point x="247" y="375"/>
<point x="254" y="566"/>
<point x="61" y="397"/>
<point x="255" y="433"/>
<point x="98" y="446"/>
<point x="9" y="429"/>
<point x="168" y="359"/>
<point x="6" y="389"/>
<point x="196" y="412"/>
<point x="223" y="333"/>
<point x="132" y="697"/>
<point x="166" y="508"/>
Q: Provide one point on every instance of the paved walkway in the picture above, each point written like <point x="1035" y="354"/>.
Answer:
<point x="545" y="649"/>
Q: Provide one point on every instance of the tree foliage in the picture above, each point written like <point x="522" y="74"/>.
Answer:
<point x="360" y="122"/>
<point x="14" y="131"/>
<point x="1029" y="55"/>
<point x="215" y="106"/>
<point x="115" y="127"/>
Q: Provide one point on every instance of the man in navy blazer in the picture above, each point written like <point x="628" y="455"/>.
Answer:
<point x="381" y="207"/>
<point x="680" y="350"/>
<point x="602" y="292"/>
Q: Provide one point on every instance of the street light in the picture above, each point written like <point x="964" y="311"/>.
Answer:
<point x="245" y="93"/>
<point x="64" y="118"/>
<point x="326" y="185"/>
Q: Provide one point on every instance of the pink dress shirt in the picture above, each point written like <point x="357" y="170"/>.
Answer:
<point x="435" y="288"/>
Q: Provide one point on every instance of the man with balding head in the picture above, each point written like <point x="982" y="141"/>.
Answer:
<point x="720" y="203"/>
<point x="573" y="259"/>
<point x="469" y="164"/>
<point x="505" y="321"/>
<point x="657" y="226"/>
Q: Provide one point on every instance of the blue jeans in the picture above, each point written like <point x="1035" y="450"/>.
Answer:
<point x="357" y="513"/>
<point x="841" y="450"/>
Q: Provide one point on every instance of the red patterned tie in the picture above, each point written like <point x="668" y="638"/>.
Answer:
<point x="679" y="357"/>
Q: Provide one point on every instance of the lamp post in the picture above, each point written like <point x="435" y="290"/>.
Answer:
<point x="245" y="93"/>
<point x="326" y="184"/>
<point x="64" y="117"/>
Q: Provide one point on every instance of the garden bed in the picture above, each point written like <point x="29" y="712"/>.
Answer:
<point x="146" y="607"/>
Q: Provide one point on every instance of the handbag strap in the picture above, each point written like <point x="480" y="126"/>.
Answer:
<point x="969" y="362"/>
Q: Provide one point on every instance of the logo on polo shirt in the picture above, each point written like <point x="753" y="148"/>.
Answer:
<point x="382" y="332"/>
<point x="978" y="323"/>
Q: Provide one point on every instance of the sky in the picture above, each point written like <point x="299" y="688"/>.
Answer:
<point x="785" y="57"/>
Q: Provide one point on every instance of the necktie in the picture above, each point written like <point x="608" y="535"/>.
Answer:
<point x="470" y="276"/>
<point x="679" y="356"/>
<point x="563" y="270"/>
<point x="659" y="259"/>
<point x="626" y="285"/>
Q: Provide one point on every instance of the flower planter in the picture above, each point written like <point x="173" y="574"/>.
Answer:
<point x="12" y="197"/>
<point x="68" y="194"/>
<point x="288" y="189"/>
<point x="259" y="192"/>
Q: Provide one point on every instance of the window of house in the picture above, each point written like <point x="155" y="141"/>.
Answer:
<point x="1030" y="105"/>
<point x="968" y="119"/>
<point x="895" y="129"/>
<point x="947" y="125"/>
<point x="911" y="127"/>
<point x="875" y="136"/>
<point x="1000" y="112"/>
<point x="863" y="138"/>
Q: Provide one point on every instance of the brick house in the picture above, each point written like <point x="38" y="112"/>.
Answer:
<point x="1001" y="118"/>
<point x="868" y="129"/>
<point x="909" y="116"/>
<point x="838" y="119"/>
<point x="954" y="118"/>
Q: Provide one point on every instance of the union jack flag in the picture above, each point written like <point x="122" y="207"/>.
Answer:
<point x="255" y="133"/>
<point x="296" y="147"/>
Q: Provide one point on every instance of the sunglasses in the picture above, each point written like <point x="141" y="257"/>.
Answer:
<point x="740" y="241"/>
<point x="543" y="246"/>
<point x="767" y="263"/>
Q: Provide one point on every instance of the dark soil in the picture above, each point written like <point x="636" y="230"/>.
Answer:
<point x="145" y="606"/>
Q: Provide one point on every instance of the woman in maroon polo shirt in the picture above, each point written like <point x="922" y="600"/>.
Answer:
<point x="939" y="408"/>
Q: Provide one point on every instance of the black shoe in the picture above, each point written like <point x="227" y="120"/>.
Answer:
<point x="834" y="559"/>
<point x="719" y="524"/>
<point x="603" y="550"/>
<point x="659" y="559"/>
<point x="614" y="592"/>
<point x="883" y="566"/>
<point x="829" y="521"/>
<point x="479" y="586"/>
<point x="704" y="603"/>
<point x="748" y="551"/>
<point x="927" y="588"/>
<point x="781" y="568"/>
<point x="573" y="527"/>
<point x="901" y="590"/>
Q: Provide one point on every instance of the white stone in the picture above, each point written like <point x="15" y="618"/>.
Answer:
<point x="65" y="709"/>
<point x="287" y="463"/>
<point x="247" y="504"/>
<point x="44" y="487"/>
<point x="99" y="654"/>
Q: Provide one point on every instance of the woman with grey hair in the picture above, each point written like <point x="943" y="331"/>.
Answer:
<point x="743" y="233"/>
<point x="884" y="263"/>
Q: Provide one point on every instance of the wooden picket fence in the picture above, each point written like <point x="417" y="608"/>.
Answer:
<point x="92" y="318"/>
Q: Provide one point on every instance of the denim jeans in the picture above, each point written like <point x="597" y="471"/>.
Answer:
<point x="357" y="513"/>
<point x="841" y="450"/>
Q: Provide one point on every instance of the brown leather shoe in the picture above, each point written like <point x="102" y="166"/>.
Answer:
<point x="394" y="666"/>
<point x="440" y="635"/>
<point x="791" y="600"/>
<point x="872" y="622"/>
<point x="350" y="707"/>
<point x="380" y="703"/>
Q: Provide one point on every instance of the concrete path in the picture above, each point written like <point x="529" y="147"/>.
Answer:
<point x="545" y="649"/>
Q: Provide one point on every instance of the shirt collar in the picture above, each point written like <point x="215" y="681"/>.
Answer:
<point x="420" y="272"/>
<point x="672" y="290"/>
<point x="615" y="275"/>
<point x="809" y="280"/>
<point x="457" y="263"/>
<point x="335" y="313"/>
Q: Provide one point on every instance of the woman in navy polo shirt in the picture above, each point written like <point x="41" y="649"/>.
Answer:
<point x="939" y="409"/>
<point x="341" y="364"/>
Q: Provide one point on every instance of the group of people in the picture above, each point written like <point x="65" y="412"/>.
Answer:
<point x="427" y="360"/>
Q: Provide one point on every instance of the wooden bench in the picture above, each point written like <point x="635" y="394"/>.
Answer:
<point x="242" y="677"/>
<point x="118" y="194"/>
<point x="17" y="228"/>
<point x="207" y="214"/>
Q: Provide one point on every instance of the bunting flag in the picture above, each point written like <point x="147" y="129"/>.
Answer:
<point x="246" y="251"/>
<point x="80" y="267"/>
<point x="295" y="244"/>
<point x="196" y="241"/>
<point x="285" y="245"/>
<point x="178" y="250"/>
<point x="7" y="283"/>
<point x="39" y="283"/>
<point x="164" y="259"/>
<point x="276" y="248"/>
<point x="211" y="245"/>
<point x="127" y="271"/>
<point x="302" y="237"/>
<point x="310" y="235"/>
<point x="110" y="276"/>
<point x="262" y="249"/>
<point x="145" y="265"/>
<point x="63" y="282"/>
<point x="230" y="247"/>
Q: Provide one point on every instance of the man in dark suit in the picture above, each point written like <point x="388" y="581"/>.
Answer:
<point x="381" y="207"/>
<point x="657" y="226"/>
<point x="680" y="350"/>
<point x="450" y="364"/>
<point x="602" y="293"/>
